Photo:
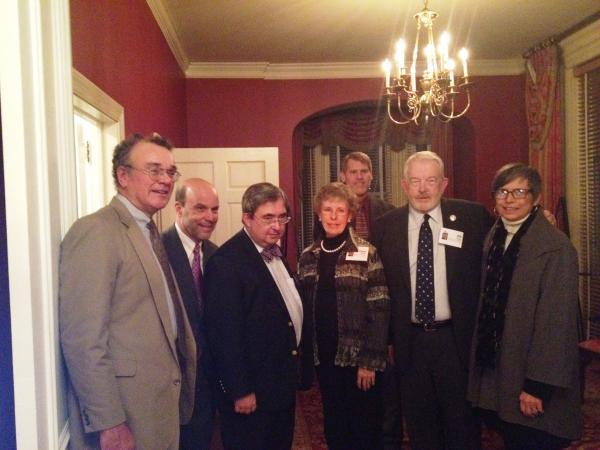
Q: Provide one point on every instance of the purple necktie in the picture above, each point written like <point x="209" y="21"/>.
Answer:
<point x="268" y="253"/>
<point x="197" y="271"/>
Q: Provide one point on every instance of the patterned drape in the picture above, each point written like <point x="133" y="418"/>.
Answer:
<point x="360" y="130"/>
<point x="543" y="98"/>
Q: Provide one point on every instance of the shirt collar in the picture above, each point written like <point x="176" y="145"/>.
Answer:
<point x="435" y="214"/>
<point x="140" y="216"/>
<point x="188" y="242"/>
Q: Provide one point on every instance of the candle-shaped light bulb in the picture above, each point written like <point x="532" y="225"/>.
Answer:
<point x="443" y="48"/>
<point x="464" y="55"/>
<point x="400" y="50"/>
<point x="450" y="66"/>
<point x="387" y="68"/>
<point x="429" y="55"/>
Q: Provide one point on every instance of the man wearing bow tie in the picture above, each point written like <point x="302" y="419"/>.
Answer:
<point x="189" y="248"/>
<point x="253" y="316"/>
<point x="434" y="287"/>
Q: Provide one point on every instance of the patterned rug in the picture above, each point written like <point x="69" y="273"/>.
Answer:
<point x="309" y="419"/>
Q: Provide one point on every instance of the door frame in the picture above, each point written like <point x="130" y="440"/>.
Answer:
<point x="37" y="119"/>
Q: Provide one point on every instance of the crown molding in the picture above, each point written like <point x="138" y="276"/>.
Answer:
<point x="159" y="11"/>
<point x="582" y="45"/>
<point x="301" y="71"/>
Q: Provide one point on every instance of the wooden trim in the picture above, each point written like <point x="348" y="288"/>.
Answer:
<point x="586" y="67"/>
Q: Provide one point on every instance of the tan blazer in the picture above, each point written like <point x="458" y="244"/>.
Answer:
<point x="116" y="335"/>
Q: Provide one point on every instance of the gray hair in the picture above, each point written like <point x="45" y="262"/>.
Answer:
<point x="260" y="193"/>
<point x="513" y="171"/>
<point x="425" y="155"/>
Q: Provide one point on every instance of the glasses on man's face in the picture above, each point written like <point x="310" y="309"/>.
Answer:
<point x="156" y="173"/>
<point x="416" y="182"/>
<point x="270" y="220"/>
<point x="517" y="194"/>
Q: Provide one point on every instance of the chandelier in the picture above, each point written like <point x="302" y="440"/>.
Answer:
<point x="439" y="85"/>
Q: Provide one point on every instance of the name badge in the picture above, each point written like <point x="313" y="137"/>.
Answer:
<point x="361" y="255"/>
<point x="451" y="237"/>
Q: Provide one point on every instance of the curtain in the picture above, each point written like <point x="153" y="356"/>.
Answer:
<point x="543" y="98"/>
<point x="360" y="130"/>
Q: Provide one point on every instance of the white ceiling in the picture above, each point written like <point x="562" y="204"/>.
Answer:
<point x="354" y="31"/>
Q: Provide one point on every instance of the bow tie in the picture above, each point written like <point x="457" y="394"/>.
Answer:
<point x="268" y="253"/>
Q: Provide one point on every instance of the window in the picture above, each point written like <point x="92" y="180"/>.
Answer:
<point x="323" y="166"/>
<point x="589" y="167"/>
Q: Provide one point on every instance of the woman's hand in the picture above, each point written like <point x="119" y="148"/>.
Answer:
<point x="530" y="406"/>
<point x="365" y="379"/>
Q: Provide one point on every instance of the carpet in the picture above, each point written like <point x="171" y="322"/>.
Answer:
<point x="308" y="434"/>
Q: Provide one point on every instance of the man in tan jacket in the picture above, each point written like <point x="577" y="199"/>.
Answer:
<point x="127" y="343"/>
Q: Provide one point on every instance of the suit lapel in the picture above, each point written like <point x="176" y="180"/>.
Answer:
<point x="452" y="253"/>
<point x="151" y="268"/>
<point x="402" y="250"/>
<point x="265" y="277"/>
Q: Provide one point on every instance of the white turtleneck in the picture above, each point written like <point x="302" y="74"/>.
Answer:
<point x="512" y="226"/>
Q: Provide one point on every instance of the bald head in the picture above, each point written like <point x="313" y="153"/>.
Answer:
<point x="197" y="208"/>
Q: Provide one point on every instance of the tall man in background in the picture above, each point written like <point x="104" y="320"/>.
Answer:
<point x="431" y="253"/>
<point x="357" y="173"/>
<point x="128" y="346"/>
<point x="189" y="248"/>
<point x="254" y="321"/>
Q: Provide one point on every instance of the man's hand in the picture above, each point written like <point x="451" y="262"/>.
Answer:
<point x="117" y="438"/>
<point x="365" y="379"/>
<point x="530" y="406"/>
<point x="245" y="405"/>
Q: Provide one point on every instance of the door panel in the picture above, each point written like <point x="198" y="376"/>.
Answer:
<point x="231" y="171"/>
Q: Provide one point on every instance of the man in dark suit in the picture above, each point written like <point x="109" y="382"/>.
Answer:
<point x="357" y="173"/>
<point x="188" y="248"/>
<point x="431" y="343"/>
<point x="253" y="316"/>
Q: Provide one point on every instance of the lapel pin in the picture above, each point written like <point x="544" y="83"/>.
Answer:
<point x="452" y="218"/>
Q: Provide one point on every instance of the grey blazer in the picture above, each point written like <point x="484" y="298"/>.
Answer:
<point x="116" y="335"/>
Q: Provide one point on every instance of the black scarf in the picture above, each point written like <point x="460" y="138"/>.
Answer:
<point x="496" y="287"/>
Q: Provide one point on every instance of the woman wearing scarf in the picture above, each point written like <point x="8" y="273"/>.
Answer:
<point x="346" y="314"/>
<point x="524" y="371"/>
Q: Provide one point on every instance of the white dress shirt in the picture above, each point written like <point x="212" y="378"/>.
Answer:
<point x="287" y="289"/>
<point x="188" y="245"/>
<point x="415" y="219"/>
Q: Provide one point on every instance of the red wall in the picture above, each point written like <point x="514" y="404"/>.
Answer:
<point x="264" y="113"/>
<point x="119" y="46"/>
<point x="241" y="113"/>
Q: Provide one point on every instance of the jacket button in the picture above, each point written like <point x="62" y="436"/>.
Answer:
<point x="290" y="324"/>
<point x="176" y="382"/>
<point x="294" y="352"/>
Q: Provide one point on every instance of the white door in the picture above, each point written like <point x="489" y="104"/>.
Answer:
<point x="231" y="171"/>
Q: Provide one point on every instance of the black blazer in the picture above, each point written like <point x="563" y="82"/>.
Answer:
<point x="183" y="273"/>
<point x="463" y="268"/>
<point x="250" y="334"/>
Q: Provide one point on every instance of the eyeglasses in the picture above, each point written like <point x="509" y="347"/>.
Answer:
<point x="270" y="220"/>
<point x="416" y="182"/>
<point x="517" y="194"/>
<point x="155" y="173"/>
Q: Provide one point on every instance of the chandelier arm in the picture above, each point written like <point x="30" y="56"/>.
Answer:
<point x="389" y="111"/>
<point x="462" y="113"/>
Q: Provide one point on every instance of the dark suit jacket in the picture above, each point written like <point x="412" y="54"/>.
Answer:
<point x="463" y="267"/>
<point x="250" y="334"/>
<point x="183" y="273"/>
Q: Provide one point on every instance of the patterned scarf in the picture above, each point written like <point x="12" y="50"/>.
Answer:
<point x="496" y="287"/>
